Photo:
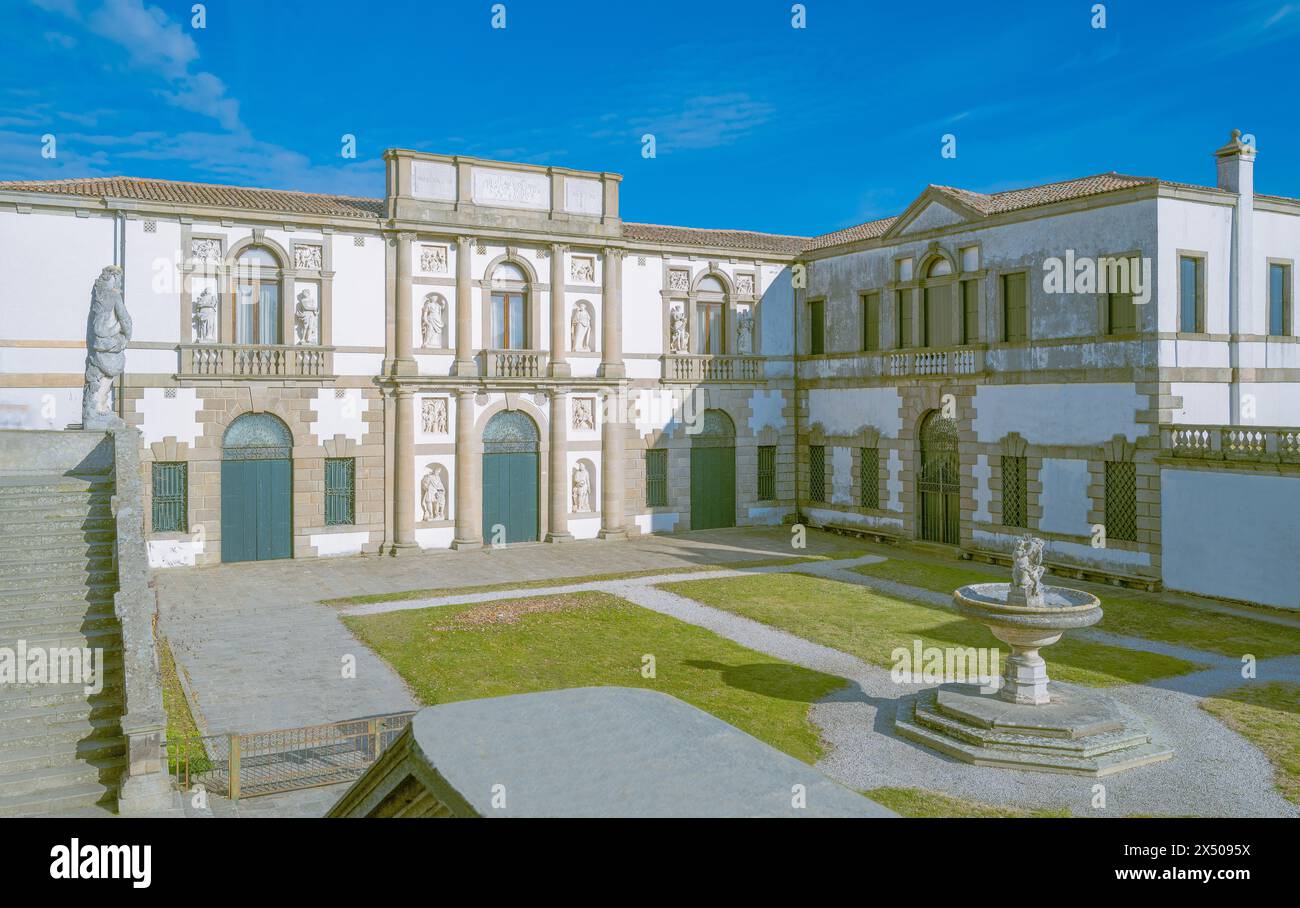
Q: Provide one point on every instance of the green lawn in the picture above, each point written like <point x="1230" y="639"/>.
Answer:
<point x="1268" y="716"/>
<point x="921" y="802"/>
<point x="1126" y="611"/>
<point x="514" y="646"/>
<point x="183" y="732"/>
<point x="436" y="592"/>
<point x="870" y="625"/>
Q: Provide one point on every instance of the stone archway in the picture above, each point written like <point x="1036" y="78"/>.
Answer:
<point x="256" y="489"/>
<point x="511" y="446"/>
<point x="938" y="485"/>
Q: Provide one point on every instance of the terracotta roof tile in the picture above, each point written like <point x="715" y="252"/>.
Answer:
<point x="205" y="194"/>
<point x="746" y="240"/>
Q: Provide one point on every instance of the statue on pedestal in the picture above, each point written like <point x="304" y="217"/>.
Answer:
<point x="108" y="330"/>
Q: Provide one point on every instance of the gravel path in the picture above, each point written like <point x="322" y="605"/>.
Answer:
<point x="1214" y="772"/>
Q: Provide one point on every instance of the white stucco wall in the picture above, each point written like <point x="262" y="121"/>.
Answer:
<point x="1064" y="497"/>
<point x="846" y="411"/>
<point x="1056" y="414"/>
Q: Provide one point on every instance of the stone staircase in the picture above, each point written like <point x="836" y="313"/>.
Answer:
<point x="60" y="748"/>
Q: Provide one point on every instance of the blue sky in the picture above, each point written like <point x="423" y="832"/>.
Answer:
<point x="758" y="125"/>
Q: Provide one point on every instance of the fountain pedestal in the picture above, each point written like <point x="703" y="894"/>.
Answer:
<point x="1028" y="723"/>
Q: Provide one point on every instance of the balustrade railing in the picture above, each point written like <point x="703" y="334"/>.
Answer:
<point x="255" y="361"/>
<point x="515" y="363"/>
<point x="951" y="361"/>
<point x="688" y="367"/>
<point x="1261" y="443"/>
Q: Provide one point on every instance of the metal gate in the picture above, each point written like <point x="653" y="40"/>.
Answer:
<point x="713" y="473"/>
<point x="256" y="489"/>
<point x="510" y="445"/>
<point x="938" y="489"/>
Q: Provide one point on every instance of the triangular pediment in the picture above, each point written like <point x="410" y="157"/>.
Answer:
<point x="932" y="210"/>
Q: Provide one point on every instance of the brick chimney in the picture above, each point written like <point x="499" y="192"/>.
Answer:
<point x="1237" y="166"/>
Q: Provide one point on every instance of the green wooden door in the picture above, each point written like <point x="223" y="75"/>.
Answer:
<point x="256" y="510"/>
<point x="510" y="496"/>
<point x="713" y="487"/>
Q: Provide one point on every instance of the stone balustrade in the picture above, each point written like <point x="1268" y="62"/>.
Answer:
<point x="528" y="364"/>
<point x="1259" y="443"/>
<point x="255" y="361"/>
<point x="949" y="361"/>
<point x="686" y="367"/>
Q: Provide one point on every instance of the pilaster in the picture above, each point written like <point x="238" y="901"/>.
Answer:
<point x="463" y="365"/>
<point x="559" y="367"/>
<point x="469" y="483"/>
<point x="611" y="361"/>
<point x="559" y="468"/>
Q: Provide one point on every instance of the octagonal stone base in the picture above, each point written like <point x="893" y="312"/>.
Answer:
<point x="1077" y="732"/>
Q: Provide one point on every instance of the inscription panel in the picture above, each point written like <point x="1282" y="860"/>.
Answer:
<point x="510" y="189"/>
<point x="433" y="180"/>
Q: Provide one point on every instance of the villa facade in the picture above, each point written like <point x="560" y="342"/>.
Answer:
<point x="491" y="354"/>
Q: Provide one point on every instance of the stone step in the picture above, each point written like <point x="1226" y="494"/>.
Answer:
<point x="19" y="544"/>
<point x="53" y="500"/>
<point x="22" y="699"/>
<point x="30" y="727"/>
<point x="30" y="595"/>
<point x="66" y="797"/>
<point x="19" y="720"/>
<point x="45" y="781"/>
<point x="109" y="639"/>
<point x="55" y="754"/>
<point x="28" y="623"/>
<point x="17" y="529"/>
<point x="103" y="605"/>
<point x="64" y="482"/>
<point x="58" y="577"/>
<point x="1089" y="746"/>
<point x="59" y="550"/>
<point x="44" y="568"/>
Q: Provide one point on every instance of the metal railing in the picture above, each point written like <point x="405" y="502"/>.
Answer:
<point x="261" y="763"/>
<point x="1257" y="443"/>
<point x="254" y="361"/>
<point x="514" y="363"/>
<point x="697" y="367"/>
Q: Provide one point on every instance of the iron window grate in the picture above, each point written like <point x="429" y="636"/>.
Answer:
<point x="1015" y="492"/>
<point x="817" y="473"/>
<point x="766" y="472"/>
<point x="340" y="491"/>
<point x="656" y="479"/>
<point x="869" y="478"/>
<point x="1121" y="500"/>
<point x="170" y="497"/>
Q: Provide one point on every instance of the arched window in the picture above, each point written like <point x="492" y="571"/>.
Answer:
<point x="509" y="307"/>
<point x="257" y="297"/>
<point x="940" y="310"/>
<point x="711" y="316"/>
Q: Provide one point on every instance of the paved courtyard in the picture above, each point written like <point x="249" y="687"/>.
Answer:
<point x="261" y="652"/>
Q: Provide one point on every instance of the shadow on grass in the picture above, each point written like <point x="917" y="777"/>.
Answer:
<point x="780" y="682"/>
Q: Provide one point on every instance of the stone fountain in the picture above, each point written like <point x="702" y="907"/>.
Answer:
<point x="1023" y="723"/>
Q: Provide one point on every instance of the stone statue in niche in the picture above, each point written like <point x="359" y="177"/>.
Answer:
<point x="433" y="414"/>
<point x="205" y="317"/>
<point x="580" y="329"/>
<point x="108" y="330"/>
<point x="744" y="331"/>
<point x="678" y="340"/>
<point x="581" y="488"/>
<point x="433" y="495"/>
<point x="306" y="317"/>
<point x="1027" y="571"/>
<point x="433" y="321"/>
<point x="583" y="417"/>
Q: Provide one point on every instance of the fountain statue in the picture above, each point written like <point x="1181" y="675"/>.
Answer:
<point x="1025" y="722"/>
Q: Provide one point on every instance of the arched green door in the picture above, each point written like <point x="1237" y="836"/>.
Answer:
<point x="713" y="473"/>
<point x="256" y="489"/>
<point x="510" y="445"/>
<point x="938" y="490"/>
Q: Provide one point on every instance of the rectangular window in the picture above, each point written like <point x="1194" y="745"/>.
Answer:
<point x="1015" y="308"/>
<point x="656" y="478"/>
<point x="816" y="327"/>
<point x="970" y="313"/>
<point x="937" y="314"/>
<point x="1015" y="492"/>
<point x="1121" y="313"/>
<point x="1279" y="299"/>
<point x="766" y="472"/>
<point x="869" y="478"/>
<point x="711" y="332"/>
<point x="1121" y="501"/>
<point x="170" y="497"/>
<point x="509" y="321"/>
<point x="340" y="491"/>
<point x="1191" y="302"/>
<point x="904" y="320"/>
<point x="871" y="321"/>
<point x="817" y="473"/>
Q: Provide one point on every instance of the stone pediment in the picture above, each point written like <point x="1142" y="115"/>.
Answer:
<point x="932" y="215"/>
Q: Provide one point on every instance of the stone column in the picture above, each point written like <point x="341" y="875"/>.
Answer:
<point x="404" y="473"/>
<point x="464" y="363"/>
<point x="611" y="460"/>
<point x="559" y="469"/>
<point x="404" y="364"/>
<point x="611" y="347"/>
<point x="469" y="484"/>
<point x="559" y="324"/>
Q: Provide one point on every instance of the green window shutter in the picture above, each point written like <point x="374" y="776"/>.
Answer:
<point x="1121" y="312"/>
<point x="1190" y="310"/>
<point x="1015" y="308"/>
<point x="816" y="327"/>
<point x="766" y="472"/>
<point x="817" y="473"/>
<point x="871" y="321"/>
<point x="170" y="497"/>
<point x="1279" y="300"/>
<point x="656" y="478"/>
<point x="1121" y="501"/>
<point x="970" y="313"/>
<point x="869" y="478"/>
<point x="904" y="320"/>
<point x="340" y="491"/>
<point x="1015" y="492"/>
